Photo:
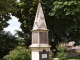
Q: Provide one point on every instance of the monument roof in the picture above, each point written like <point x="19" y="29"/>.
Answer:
<point x="39" y="23"/>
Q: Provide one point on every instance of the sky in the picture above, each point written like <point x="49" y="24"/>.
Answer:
<point x="14" y="25"/>
<point x="18" y="0"/>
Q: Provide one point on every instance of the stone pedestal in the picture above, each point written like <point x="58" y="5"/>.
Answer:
<point x="40" y="52"/>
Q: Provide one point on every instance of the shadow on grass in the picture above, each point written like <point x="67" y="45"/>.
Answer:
<point x="70" y="58"/>
<point x="74" y="58"/>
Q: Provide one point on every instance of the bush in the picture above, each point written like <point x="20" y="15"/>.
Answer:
<point x="20" y="53"/>
<point x="61" y="54"/>
<point x="50" y="55"/>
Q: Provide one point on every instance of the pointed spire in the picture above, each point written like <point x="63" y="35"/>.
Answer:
<point x="39" y="23"/>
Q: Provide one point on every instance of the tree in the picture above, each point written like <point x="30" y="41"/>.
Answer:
<point x="22" y="39"/>
<point x="19" y="53"/>
<point x="62" y="18"/>
<point x="7" y="43"/>
<point x="7" y="8"/>
<point x="62" y="53"/>
<point x="66" y="24"/>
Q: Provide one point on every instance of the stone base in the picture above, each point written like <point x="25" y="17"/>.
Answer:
<point x="36" y="49"/>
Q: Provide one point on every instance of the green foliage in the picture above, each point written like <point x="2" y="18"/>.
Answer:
<point x="22" y="39"/>
<point x="7" y="43"/>
<point x="7" y="40"/>
<point x="20" y="53"/>
<point x="74" y="58"/>
<point x="65" y="8"/>
<point x="7" y="8"/>
<point x="61" y="54"/>
<point x="50" y="55"/>
<point x="67" y="18"/>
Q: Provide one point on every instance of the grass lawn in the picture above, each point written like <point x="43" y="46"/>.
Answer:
<point x="74" y="58"/>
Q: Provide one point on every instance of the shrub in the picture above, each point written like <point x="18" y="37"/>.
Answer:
<point x="20" y="53"/>
<point x="50" y="55"/>
<point x="61" y="54"/>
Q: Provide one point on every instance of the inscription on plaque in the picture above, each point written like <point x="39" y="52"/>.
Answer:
<point x="44" y="55"/>
<point x="43" y="37"/>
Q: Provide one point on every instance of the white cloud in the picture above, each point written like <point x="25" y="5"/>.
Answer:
<point x="14" y="18"/>
<point x="14" y="25"/>
<point x="12" y="29"/>
<point x="18" y="0"/>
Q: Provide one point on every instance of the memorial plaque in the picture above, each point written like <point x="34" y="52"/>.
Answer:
<point x="34" y="37"/>
<point x="43" y="37"/>
<point x="44" y="55"/>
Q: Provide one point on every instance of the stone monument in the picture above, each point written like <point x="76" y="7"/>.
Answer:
<point x="40" y="47"/>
